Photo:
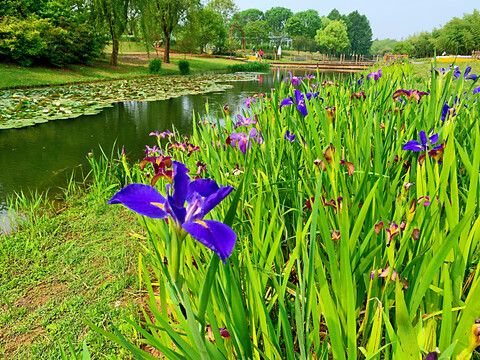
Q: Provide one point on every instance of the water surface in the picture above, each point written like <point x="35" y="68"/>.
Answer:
<point x="43" y="157"/>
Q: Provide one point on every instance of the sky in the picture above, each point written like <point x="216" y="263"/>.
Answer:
<point x="388" y="19"/>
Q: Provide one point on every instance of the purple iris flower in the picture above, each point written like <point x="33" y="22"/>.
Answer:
<point x="466" y="73"/>
<point x="201" y="196"/>
<point x="468" y="76"/>
<point x="299" y="100"/>
<point x="416" y="146"/>
<point x="249" y="101"/>
<point x="294" y="80"/>
<point x="245" y="141"/>
<point x="289" y="137"/>
<point x="448" y="112"/>
<point x="245" y="121"/>
<point x="161" y="135"/>
<point x="476" y="90"/>
<point x="151" y="151"/>
<point x="376" y="75"/>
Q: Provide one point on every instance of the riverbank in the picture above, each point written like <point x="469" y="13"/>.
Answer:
<point x="79" y="262"/>
<point x="130" y="65"/>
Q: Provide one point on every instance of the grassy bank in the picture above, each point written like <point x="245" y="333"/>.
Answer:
<point x="130" y="65"/>
<point x="78" y="264"/>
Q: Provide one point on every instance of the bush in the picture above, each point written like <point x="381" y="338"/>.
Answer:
<point x="155" y="66"/>
<point x="39" y="41"/>
<point x="249" y="66"/>
<point x="184" y="67"/>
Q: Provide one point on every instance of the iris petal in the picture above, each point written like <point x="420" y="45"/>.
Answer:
<point x="215" y="235"/>
<point x="215" y="199"/>
<point x="143" y="199"/>
<point x="413" y="145"/>
<point x="180" y="183"/>
<point x="204" y="187"/>
<point x="423" y="138"/>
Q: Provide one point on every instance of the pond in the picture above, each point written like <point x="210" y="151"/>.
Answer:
<point x="43" y="157"/>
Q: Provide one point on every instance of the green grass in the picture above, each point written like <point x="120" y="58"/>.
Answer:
<point x="129" y="66"/>
<point x="78" y="264"/>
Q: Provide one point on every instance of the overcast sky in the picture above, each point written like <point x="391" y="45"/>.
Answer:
<point x="388" y="19"/>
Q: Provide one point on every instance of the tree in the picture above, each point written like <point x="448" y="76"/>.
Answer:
<point x="256" y="31"/>
<point x="244" y="17"/>
<point x="277" y="17"/>
<point x="226" y="8"/>
<point x="166" y="14"/>
<point x="295" y="27"/>
<point x="359" y="33"/>
<point x="334" y="15"/>
<point x="203" y="26"/>
<point x="311" y="22"/>
<point x="382" y="47"/>
<point x="334" y="37"/>
<point x="403" y="48"/>
<point x="304" y="43"/>
<point x="115" y="14"/>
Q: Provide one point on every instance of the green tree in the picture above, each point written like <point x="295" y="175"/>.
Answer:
<point x="166" y="15"/>
<point x="295" y="27"/>
<point x="203" y="26"/>
<point x="382" y="47"/>
<point x="359" y="33"/>
<point x="311" y="22"/>
<point x="404" y="48"/>
<point x="114" y="13"/>
<point x="256" y="31"/>
<point x="334" y="15"/>
<point x="334" y="37"/>
<point x="277" y="17"/>
<point x="226" y="8"/>
<point x="244" y="17"/>
<point x="304" y="43"/>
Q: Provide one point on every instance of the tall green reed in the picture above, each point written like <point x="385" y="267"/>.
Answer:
<point x="313" y="273"/>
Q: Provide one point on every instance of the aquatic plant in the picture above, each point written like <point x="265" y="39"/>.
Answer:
<point x="346" y="246"/>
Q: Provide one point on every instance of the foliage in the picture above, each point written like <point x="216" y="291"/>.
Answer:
<point x="20" y="108"/>
<point x="249" y="66"/>
<point x="163" y="16"/>
<point x="114" y="14"/>
<point x="37" y="41"/>
<point x="155" y="66"/>
<point x="348" y="243"/>
<point x="304" y="43"/>
<point x="244" y="17"/>
<point x="334" y="37"/>
<point x="294" y="26"/>
<point x="184" y="67"/>
<point x="257" y="32"/>
<point x="277" y="17"/>
<point x="403" y="47"/>
<point x="382" y="47"/>
<point x="311" y="22"/>
<point x="226" y="8"/>
<point x="359" y="33"/>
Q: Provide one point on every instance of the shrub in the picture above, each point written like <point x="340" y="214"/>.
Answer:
<point x="184" y="67"/>
<point x="249" y="66"/>
<point x="155" y="66"/>
<point x="39" y="41"/>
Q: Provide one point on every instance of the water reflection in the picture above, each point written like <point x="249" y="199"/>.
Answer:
<point x="43" y="156"/>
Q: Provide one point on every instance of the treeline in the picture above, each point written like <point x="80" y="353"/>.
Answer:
<point x="458" y="36"/>
<point x="309" y="31"/>
<point x="60" y="32"/>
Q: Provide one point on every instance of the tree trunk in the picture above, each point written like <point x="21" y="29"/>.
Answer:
<point x="114" y="56"/>
<point x="166" y="55"/>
